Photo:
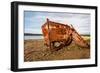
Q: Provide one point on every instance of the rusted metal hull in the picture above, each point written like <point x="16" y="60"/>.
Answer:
<point x="57" y="35"/>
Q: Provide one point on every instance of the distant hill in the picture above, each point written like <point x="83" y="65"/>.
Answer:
<point x="85" y="34"/>
<point x="31" y="34"/>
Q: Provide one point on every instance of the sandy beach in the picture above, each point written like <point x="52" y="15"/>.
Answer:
<point x="35" y="50"/>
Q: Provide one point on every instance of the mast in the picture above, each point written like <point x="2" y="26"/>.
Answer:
<point x="49" y="33"/>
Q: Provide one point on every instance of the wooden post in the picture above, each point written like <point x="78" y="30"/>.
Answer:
<point x="49" y="33"/>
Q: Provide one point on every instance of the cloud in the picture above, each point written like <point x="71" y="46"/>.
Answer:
<point x="34" y="31"/>
<point x="34" y="20"/>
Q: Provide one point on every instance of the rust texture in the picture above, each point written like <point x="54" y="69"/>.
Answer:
<point x="57" y="35"/>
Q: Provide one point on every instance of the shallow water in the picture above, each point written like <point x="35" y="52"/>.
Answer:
<point x="32" y="37"/>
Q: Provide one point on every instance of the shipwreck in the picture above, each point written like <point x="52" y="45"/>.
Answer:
<point x="57" y="35"/>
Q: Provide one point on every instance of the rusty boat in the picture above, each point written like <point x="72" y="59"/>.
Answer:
<point x="57" y="35"/>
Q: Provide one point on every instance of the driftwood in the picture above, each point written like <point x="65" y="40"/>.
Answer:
<point x="57" y="35"/>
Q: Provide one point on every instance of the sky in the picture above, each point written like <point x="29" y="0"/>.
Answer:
<point x="33" y="20"/>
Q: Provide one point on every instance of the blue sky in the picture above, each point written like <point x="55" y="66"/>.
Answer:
<point x="33" y="20"/>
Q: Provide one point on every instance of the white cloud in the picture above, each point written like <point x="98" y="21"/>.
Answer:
<point x="33" y="31"/>
<point x="80" y="21"/>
